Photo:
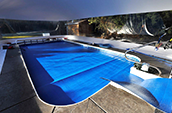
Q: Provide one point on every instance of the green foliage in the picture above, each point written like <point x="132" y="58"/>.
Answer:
<point x="170" y="31"/>
<point x="109" y="22"/>
<point x="154" y="21"/>
<point x="166" y="16"/>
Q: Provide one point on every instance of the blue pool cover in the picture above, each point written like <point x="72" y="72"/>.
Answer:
<point x="65" y="73"/>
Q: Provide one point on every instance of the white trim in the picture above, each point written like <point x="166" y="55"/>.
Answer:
<point x="2" y="58"/>
<point x="82" y="100"/>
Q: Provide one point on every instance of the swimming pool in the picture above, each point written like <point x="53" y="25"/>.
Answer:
<point x="65" y="73"/>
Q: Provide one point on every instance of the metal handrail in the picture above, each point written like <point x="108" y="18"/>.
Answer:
<point x="41" y="38"/>
<point x="132" y="49"/>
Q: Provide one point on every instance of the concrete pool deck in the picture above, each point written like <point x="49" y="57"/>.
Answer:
<point x="18" y="96"/>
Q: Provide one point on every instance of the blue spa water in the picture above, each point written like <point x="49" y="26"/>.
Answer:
<point x="65" y="73"/>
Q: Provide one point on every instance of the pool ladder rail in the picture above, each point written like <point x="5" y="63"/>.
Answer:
<point x="142" y="63"/>
<point x="38" y="40"/>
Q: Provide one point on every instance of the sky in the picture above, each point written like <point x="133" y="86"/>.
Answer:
<point x="59" y="10"/>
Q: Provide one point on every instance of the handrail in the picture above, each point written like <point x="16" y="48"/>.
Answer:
<point x="40" y="38"/>
<point x="132" y="49"/>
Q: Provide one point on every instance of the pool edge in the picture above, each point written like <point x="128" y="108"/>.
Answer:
<point x="82" y="100"/>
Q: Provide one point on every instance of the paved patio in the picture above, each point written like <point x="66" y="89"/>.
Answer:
<point x="18" y="96"/>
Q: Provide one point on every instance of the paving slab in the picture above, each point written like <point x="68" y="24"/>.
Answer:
<point x="2" y="57"/>
<point x="31" y="105"/>
<point x="111" y="100"/>
<point x="13" y="61"/>
<point x="118" y="101"/>
<point x="14" y="88"/>
<point x="86" y="106"/>
<point x="17" y="94"/>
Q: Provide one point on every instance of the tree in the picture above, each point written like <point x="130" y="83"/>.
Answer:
<point x="108" y="23"/>
<point x="166" y="16"/>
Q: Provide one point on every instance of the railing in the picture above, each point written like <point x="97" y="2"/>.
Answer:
<point x="37" y="40"/>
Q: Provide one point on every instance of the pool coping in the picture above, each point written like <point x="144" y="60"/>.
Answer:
<point x="2" y="58"/>
<point x="46" y="102"/>
<point x="105" y="49"/>
<point x="110" y="83"/>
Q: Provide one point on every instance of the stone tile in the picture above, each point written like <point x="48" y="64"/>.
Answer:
<point x="17" y="94"/>
<point x="86" y="106"/>
<point x="15" y="87"/>
<point x="14" y="82"/>
<point x="32" y="105"/>
<point x="159" y="111"/>
<point x="72" y="108"/>
<point x="13" y="61"/>
<point x="115" y="100"/>
<point x="112" y="100"/>
<point x="93" y="108"/>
